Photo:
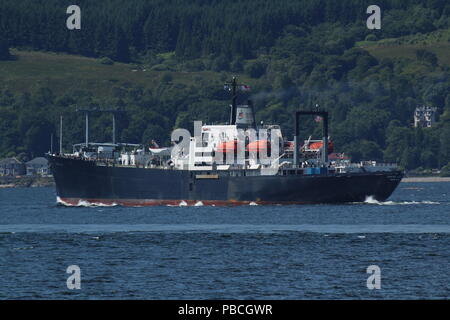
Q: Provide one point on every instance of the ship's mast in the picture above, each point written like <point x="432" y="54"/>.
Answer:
<point x="233" y="101"/>
<point x="60" y="133"/>
<point x="113" y="111"/>
<point x="233" y="86"/>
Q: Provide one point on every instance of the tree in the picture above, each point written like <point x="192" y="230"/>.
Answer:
<point x="364" y="150"/>
<point x="427" y="56"/>
<point x="371" y="37"/>
<point x="397" y="139"/>
<point x="166" y="77"/>
<point x="236" y="65"/>
<point x="4" y="50"/>
<point x="445" y="170"/>
<point x="255" y="69"/>
<point x="220" y="64"/>
<point x="122" y="53"/>
<point x="445" y="144"/>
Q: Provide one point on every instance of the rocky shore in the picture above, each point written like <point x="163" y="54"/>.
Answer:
<point x="26" y="181"/>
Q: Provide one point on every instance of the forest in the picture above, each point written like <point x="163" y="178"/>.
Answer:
<point x="294" y="54"/>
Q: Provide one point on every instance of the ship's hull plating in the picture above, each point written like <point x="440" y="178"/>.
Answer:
<point x="79" y="180"/>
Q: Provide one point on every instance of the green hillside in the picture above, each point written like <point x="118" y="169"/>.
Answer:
<point x="437" y="42"/>
<point x="441" y="50"/>
<point x="62" y="73"/>
<point x="166" y="63"/>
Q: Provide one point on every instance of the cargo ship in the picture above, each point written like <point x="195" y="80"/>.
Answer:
<point x="238" y="163"/>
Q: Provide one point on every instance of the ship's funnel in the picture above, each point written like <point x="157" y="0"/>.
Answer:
<point x="245" y="117"/>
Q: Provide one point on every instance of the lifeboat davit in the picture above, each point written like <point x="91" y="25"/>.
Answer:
<point x="319" y="144"/>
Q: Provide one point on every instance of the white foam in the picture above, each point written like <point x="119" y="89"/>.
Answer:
<point x="182" y="204"/>
<point x="372" y="200"/>
<point x="199" y="204"/>
<point x="85" y="203"/>
<point x="24" y="248"/>
<point x="252" y="204"/>
<point x="60" y="201"/>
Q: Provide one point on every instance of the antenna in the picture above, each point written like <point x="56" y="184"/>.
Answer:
<point x="87" y="129"/>
<point x="60" y="133"/>
<point x="114" y="127"/>
<point x="232" y="87"/>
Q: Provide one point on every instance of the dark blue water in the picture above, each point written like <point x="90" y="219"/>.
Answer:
<point x="251" y="252"/>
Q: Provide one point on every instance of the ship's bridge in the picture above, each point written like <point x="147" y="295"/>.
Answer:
<point x="223" y="146"/>
<point x="213" y="135"/>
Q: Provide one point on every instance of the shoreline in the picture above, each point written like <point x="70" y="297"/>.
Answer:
<point x="26" y="182"/>
<point x="426" y="179"/>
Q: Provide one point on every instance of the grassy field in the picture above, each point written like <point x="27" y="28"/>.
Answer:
<point x="442" y="51"/>
<point x="437" y="42"/>
<point x="65" y="73"/>
<point x="62" y="73"/>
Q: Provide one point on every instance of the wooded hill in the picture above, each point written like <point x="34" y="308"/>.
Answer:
<point x="166" y="61"/>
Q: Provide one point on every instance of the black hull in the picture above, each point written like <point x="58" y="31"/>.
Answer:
<point x="85" y="180"/>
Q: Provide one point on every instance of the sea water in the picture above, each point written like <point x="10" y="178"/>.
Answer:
<point x="244" y="252"/>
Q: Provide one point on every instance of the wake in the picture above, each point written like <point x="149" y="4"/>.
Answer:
<point x="372" y="200"/>
<point x="84" y="203"/>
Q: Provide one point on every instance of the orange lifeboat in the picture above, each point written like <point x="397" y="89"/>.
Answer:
<point x="319" y="144"/>
<point x="227" y="146"/>
<point x="258" y="146"/>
